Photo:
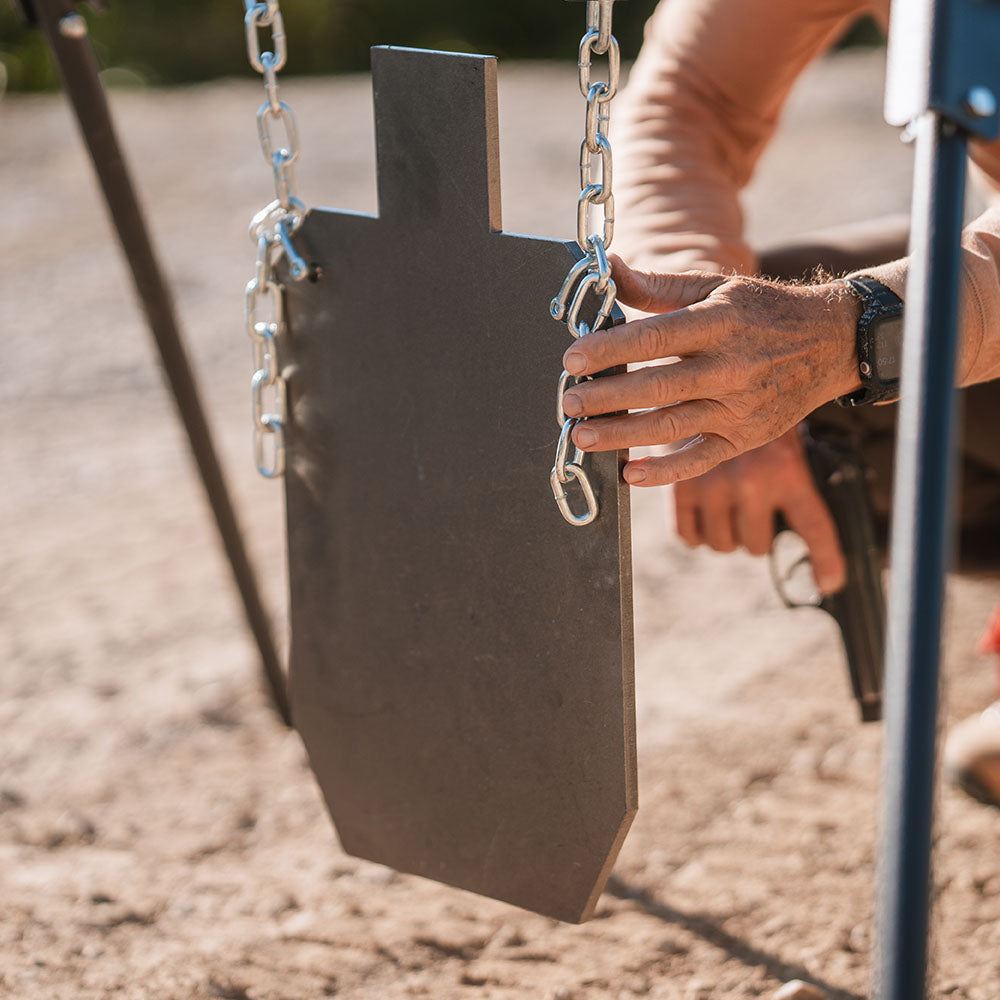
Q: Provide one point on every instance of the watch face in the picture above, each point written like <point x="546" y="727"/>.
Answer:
<point x="888" y="348"/>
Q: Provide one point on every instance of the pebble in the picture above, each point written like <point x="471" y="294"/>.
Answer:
<point x="9" y="799"/>
<point x="798" y="990"/>
<point x="69" y="830"/>
<point x="857" y="939"/>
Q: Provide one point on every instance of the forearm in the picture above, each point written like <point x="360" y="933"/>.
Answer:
<point x="979" y="318"/>
<point x="676" y="188"/>
<point x="702" y="101"/>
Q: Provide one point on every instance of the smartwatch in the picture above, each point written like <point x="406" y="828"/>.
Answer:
<point x="879" y="341"/>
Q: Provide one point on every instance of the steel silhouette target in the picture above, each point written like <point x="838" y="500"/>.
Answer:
<point x="461" y="658"/>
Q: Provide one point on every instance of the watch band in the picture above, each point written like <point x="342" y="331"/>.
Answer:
<point x="878" y="302"/>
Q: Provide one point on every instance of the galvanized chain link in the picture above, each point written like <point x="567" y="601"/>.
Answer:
<point x="590" y="276"/>
<point x="271" y="229"/>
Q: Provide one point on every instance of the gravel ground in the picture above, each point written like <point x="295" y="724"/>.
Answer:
<point x="161" y="835"/>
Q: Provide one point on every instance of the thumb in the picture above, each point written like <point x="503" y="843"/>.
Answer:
<point x="658" y="293"/>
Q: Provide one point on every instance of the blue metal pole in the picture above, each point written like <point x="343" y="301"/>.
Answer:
<point x="920" y="553"/>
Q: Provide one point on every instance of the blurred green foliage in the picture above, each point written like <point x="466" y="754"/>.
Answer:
<point x="188" y="40"/>
<point x="183" y="41"/>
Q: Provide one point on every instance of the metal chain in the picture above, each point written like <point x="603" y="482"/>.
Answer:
<point x="271" y="229"/>
<point x="590" y="276"/>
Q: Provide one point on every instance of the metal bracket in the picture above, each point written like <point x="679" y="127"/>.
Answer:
<point x="942" y="57"/>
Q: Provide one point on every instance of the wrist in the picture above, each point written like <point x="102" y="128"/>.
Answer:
<point x="841" y="313"/>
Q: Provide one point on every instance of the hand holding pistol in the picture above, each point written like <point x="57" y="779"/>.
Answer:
<point x="858" y="608"/>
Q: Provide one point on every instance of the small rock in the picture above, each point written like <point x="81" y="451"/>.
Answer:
<point x="671" y="947"/>
<point x="227" y="990"/>
<point x="798" y="990"/>
<point x="278" y="904"/>
<point x="515" y="939"/>
<point x="9" y="799"/>
<point x="836" y="762"/>
<point x="857" y="939"/>
<point x="301" y="923"/>
<point x="70" y="830"/>
<point x="217" y="704"/>
<point x="775" y="925"/>
<point x="377" y="874"/>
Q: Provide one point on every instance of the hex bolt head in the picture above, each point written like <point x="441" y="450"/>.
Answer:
<point x="73" y="26"/>
<point x="980" y="102"/>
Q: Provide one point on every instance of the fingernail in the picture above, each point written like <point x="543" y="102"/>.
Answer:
<point x="572" y="404"/>
<point x="585" y="437"/>
<point x="575" y="363"/>
<point x="634" y="476"/>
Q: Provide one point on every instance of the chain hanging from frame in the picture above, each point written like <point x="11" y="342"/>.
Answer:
<point x="592" y="274"/>
<point x="271" y="229"/>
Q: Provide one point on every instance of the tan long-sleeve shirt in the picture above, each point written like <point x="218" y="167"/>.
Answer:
<point x="702" y="101"/>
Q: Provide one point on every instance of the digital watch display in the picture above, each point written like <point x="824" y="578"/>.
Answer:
<point x="879" y="341"/>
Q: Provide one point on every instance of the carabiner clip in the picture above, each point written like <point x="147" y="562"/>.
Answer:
<point x="560" y="303"/>
<point x="592" y="279"/>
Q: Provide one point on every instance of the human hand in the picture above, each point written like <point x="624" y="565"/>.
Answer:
<point x="754" y="358"/>
<point x="735" y="504"/>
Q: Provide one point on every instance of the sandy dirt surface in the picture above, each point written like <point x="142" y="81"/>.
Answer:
<point x="161" y="835"/>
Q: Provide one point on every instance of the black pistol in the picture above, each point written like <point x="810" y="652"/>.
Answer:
<point x="859" y="608"/>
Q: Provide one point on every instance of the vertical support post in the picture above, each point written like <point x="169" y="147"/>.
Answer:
<point x="920" y="552"/>
<point x="66" y="35"/>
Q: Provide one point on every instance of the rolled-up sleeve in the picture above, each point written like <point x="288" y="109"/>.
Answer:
<point x="702" y="101"/>
<point x="979" y="290"/>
